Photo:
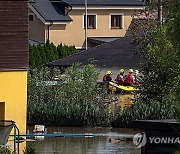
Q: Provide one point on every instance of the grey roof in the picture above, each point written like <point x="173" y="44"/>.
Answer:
<point x="118" y="53"/>
<point x="50" y="11"/>
<point x="35" y="42"/>
<point x="102" y="39"/>
<point x="106" y="2"/>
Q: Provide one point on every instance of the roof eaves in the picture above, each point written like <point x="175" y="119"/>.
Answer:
<point x="40" y="16"/>
<point x="104" y="7"/>
<point x="37" y="13"/>
<point x="109" y="5"/>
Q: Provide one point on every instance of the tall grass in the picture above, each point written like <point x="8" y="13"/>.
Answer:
<point x="145" y="111"/>
<point x="76" y="100"/>
<point x="4" y="150"/>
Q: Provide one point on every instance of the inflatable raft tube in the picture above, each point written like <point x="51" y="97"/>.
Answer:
<point x="119" y="88"/>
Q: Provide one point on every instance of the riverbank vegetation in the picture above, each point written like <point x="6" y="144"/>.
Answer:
<point x="144" y="111"/>
<point x="73" y="100"/>
<point x="162" y="70"/>
<point x="29" y="149"/>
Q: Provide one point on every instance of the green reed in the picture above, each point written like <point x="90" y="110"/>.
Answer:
<point x="73" y="100"/>
<point x="141" y="110"/>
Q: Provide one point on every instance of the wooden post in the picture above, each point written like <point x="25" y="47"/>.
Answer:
<point x="160" y="11"/>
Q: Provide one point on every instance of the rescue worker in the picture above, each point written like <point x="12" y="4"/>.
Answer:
<point x="136" y="80"/>
<point x="129" y="80"/>
<point x="107" y="76"/>
<point x="120" y="77"/>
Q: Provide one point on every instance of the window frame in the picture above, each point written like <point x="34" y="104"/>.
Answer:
<point x="95" y="21"/>
<point x="122" y="20"/>
<point x="32" y="14"/>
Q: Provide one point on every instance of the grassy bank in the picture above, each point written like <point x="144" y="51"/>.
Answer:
<point x="141" y="110"/>
<point x="73" y="100"/>
<point x="76" y="100"/>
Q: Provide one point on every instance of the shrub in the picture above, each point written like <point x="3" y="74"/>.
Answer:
<point x="42" y="54"/>
<point x="4" y="150"/>
<point x="30" y="149"/>
<point x="145" y="111"/>
<point x="64" y="51"/>
<point x="74" y="101"/>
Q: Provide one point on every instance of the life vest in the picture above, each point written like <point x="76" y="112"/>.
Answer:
<point x="129" y="79"/>
<point x="104" y="78"/>
<point x="107" y="78"/>
<point x="120" y="79"/>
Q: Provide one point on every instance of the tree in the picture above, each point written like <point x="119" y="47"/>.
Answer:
<point x="160" y="47"/>
<point x="42" y="54"/>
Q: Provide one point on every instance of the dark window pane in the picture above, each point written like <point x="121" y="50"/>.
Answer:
<point x="31" y="17"/>
<point x="112" y="21"/>
<point x="90" y="21"/>
<point x="116" y="21"/>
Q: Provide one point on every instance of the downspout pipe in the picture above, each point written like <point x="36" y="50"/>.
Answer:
<point x="69" y="9"/>
<point x="49" y="29"/>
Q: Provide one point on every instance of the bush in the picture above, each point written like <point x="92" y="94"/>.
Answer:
<point x="4" y="150"/>
<point x="145" y="111"/>
<point x="42" y="54"/>
<point x="64" y="51"/>
<point x="74" y="101"/>
<point x="30" y="149"/>
<point x="161" y="72"/>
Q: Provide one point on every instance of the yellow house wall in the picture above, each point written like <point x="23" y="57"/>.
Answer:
<point x="73" y="34"/>
<point x="36" y="29"/>
<point x="13" y="92"/>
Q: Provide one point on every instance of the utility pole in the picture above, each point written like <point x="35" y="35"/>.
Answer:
<point x="86" y="24"/>
<point x="160" y="11"/>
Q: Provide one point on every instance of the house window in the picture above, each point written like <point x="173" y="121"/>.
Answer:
<point x="116" y="21"/>
<point x="31" y="17"/>
<point x="91" y="21"/>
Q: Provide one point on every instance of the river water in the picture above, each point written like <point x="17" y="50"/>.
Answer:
<point x="85" y="145"/>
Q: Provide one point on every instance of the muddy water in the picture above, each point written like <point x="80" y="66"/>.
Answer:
<point x="85" y="145"/>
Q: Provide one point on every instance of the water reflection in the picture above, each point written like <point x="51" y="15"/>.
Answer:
<point x="85" y="145"/>
<point x="160" y="148"/>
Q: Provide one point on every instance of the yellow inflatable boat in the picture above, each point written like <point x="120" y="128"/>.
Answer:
<point x="119" y="88"/>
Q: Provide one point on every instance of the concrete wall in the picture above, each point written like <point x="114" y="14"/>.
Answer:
<point x="74" y="33"/>
<point x="36" y="29"/>
<point x="13" y="97"/>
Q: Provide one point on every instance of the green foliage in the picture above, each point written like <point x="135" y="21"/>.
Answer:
<point x="75" y="100"/>
<point x="161" y="48"/>
<point x="30" y="149"/>
<point x="42" y="54"/>
<point x="145" y="111"/>
<point x="172" y="14"/>
<point x="4" y="150"/>
<point x="162" y="68"/>
<point x="64" y="51"/>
